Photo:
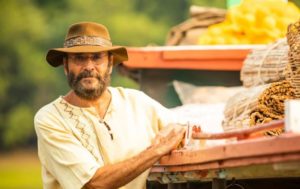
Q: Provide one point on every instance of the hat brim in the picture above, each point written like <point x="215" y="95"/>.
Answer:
<point x="55" y="56"/>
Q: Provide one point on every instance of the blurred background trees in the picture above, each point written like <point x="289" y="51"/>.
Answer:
<point x="30" y="27"/>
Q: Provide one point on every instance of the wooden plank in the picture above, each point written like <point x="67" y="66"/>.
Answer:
<point x="285" y="143"/>
<point x="256" y="131"/>
<point x="179" y="157"/>
<point x="230" y="163"/>
<point x="228" y="57"/>
<point x="206" y="54"/>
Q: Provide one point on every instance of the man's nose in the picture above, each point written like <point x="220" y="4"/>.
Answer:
<point x="89" y="64"/>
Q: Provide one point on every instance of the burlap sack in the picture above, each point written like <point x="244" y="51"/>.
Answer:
<point x="187" y="33"/>
<point x="266" y="65"/>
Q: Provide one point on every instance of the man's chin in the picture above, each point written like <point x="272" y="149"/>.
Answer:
<point x="88" y="94"/>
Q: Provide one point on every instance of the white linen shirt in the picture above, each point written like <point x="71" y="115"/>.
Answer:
<point x="74" y="142"/>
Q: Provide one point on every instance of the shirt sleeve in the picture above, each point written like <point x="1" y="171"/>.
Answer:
<point x="62" y="154"/>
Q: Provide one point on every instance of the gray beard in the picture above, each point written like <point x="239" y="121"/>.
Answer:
<point x="88" y="94"/>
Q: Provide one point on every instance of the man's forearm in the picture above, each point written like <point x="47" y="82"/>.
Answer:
<point x="119" y="174"/>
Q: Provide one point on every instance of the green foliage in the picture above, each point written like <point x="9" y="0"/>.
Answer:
<point x="171" y="12"/>
<point x="297" y="2"/>
<point x="19" y="45"/>
<point x="210" y="3"/>
<point x="142" y="28"/>
<point x="20" y="129"/>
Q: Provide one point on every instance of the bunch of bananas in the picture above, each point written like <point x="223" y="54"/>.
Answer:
<point x="252" y="22"/>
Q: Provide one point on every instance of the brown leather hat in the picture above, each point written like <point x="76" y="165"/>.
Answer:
<point x="86" y="37"/>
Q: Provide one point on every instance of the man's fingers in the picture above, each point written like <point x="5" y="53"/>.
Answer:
<point x="166" y="130"/>
<point x="177" y="137"/>
<point x="169" y="138"/>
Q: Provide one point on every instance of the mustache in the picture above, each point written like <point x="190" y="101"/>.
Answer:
<point x="86" y="74"/>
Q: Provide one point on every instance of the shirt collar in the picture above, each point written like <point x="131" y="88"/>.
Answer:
<point x="110" y="109"/>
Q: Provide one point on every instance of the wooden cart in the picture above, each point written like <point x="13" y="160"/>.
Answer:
<point x="263" y="162"/>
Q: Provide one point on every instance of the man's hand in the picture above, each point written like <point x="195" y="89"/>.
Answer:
<point x="168" y="139"/>
<point x="118" y="174"/>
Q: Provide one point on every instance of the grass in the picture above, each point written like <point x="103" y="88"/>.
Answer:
<point x="20" y="170"/>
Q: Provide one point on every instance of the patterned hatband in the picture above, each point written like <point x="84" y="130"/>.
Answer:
<point x="87" y="40"/>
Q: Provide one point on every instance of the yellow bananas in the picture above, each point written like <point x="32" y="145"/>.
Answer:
<point x="252" y="22"/>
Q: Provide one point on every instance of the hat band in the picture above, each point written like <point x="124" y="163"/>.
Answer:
<point x="87" y="40"/>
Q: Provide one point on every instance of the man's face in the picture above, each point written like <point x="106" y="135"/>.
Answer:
<point x="88" y="73"/>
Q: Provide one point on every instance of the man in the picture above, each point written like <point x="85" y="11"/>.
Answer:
<point x="98" y="136"/>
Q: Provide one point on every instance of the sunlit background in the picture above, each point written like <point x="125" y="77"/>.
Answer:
<point x="28" y="29"/>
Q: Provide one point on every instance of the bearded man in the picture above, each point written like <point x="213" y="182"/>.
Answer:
<point x="97" y="136"/>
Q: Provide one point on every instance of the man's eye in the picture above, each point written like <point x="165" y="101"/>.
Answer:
<point x="80" y="58"/>
<point x="97" y="57"/>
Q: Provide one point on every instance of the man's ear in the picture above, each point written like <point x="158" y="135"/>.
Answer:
<point x="65" y="63"/>
<point x="111" y="62"/>
<point x="110" y="68"/>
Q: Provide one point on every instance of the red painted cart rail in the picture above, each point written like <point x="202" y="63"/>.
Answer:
<point x="218" y="57"/>
<point x="264" y="157"/>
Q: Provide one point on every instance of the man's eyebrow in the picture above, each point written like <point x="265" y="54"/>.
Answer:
<point x="78" y="54"/>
